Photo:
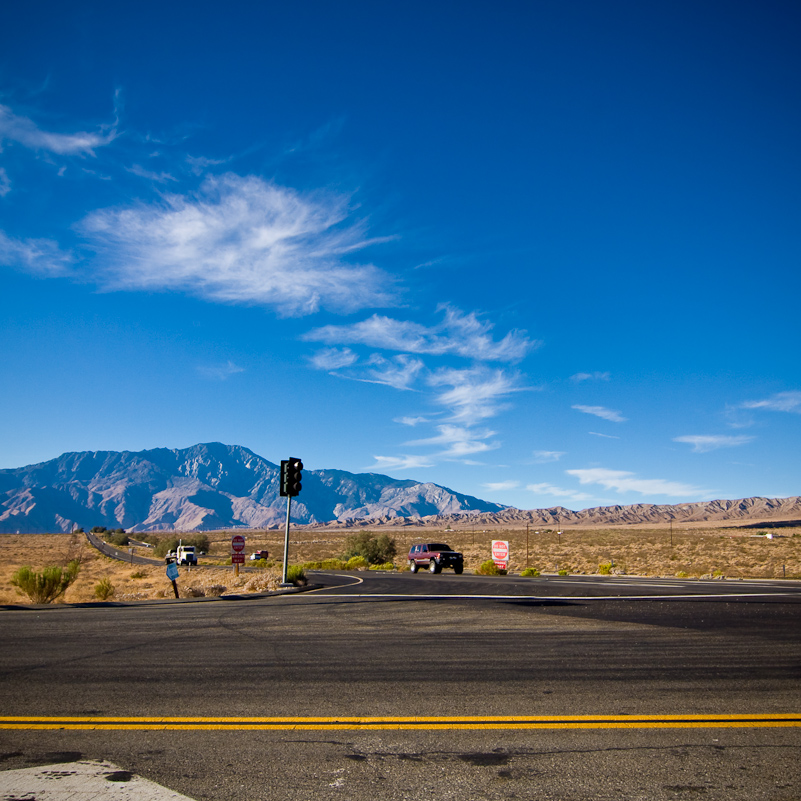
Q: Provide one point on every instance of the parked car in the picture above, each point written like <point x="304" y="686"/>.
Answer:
<point x="259" y="555"/>
<point x="434" y="556"/>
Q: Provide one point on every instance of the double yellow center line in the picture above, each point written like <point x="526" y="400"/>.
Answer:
<point x="410" y="723"/>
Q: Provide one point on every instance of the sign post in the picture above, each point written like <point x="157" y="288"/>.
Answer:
<point x="172" y="575"/>
<point x="500" y="554"/>
<point x="237" y="555"/>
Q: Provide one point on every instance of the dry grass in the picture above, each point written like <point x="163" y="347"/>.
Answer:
<point x="131" y="582"/>
<point x="733" y="553"/>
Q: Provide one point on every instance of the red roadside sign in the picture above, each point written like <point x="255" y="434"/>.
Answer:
<point x="237" y="559"/>
<point x="237" y="543"/>
<point x="500" y="553"/>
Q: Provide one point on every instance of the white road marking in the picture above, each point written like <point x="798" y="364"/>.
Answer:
<point x="423" y="597"/>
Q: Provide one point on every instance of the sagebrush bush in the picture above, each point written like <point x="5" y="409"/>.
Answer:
<point x="104" y="589"/>
<point x="216" y="590"/>
<point x="489" y="568"/>
<point x="376" y="550"/>
<point x="605" y="568"/>
<point x="296" y="574"/>
<point x="356" y="563"/>
<point x="564" y="572"/>
<point x="47" y="586"/>
<point x="385" y="566"/>
<point x="530" y="572"/>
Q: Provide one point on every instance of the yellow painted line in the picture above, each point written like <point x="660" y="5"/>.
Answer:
<point x="773" y="720"/>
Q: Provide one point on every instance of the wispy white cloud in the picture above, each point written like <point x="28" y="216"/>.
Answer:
<point x="399" y="463"/>
<point x="412" y="421"/>
<point x="705" y="443"/>
<point x="543" y="457"/>
<point x="41" y="257"/>
<point x="474" y="394"/>
<point x="399" y="372"/>
<point x="220" y="372"/>
<point x="579" y="377"/>
<point x="5" y="183"/>
<point x="333" y="358"/>
<point x="600" y="411"/>
<point x="458" y="333"/>
<point x="151" y="175"/>
<point x="460" y="441"/>
<point x="624" y="481"/>
<point x="558" y="492"/>
<point x="781" y="402"/>
<point x="501" y="486"/>
<point x="605" y="436"/>
<point x="16" y="128"/>
<point x="240" y="240"/>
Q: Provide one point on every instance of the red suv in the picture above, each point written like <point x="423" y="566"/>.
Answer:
<point x="434" y="556"/>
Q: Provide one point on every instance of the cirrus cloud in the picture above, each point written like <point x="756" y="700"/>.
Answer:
<point x="704" y="443"/>
<point x="240" y="240"/>
<point x="624" y="481"/>
<point x="600" y="411"/>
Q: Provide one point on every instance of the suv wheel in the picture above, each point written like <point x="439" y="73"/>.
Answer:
<point x="434" y="567"/>
<point x="458" y="569"/>
<point x="413" y="566"/>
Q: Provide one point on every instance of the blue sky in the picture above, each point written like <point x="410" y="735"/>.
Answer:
<point x="542" y="253"/>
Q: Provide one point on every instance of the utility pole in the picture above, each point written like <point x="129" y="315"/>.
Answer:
<point x="527" y="544"/>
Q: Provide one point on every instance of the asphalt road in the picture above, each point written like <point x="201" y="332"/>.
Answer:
<point x="383" y="646"/>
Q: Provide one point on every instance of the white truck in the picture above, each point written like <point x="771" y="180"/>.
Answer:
<point x="185" y="555"/>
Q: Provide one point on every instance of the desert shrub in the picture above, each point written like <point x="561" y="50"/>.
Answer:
<point x="104" y="589"/>
<point x="117" y="537"/>
<point x="489" y="568"/>
<point x="137" y="574"/>
<point x="296" y="574"/>
<point x="681" y="574"/>
<point x="216" y="590"/>
<point x="325" y="564"/>
<point x="530" y="572"/>
<point x="47" y="586"/>
<point x="564" y="572"/>
<point x="260" y="563"/>
<point x="376" y="550"/>
<point x="195" y="592"/>
<point x="356" y="563"/>
<point x="385" y="566"/>
<point x="605" y="568"/>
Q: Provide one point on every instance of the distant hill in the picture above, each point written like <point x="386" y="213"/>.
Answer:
<point x="215" y="486"/>
<point x="204" y="487"/>
<point x="753" y="510"/>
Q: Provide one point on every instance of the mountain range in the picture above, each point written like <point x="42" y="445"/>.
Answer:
<point x="215" y="486"/>
<point x="205" y="487"/>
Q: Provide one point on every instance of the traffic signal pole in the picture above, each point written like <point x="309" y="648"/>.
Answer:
<point x="289" y="485"/>
<point x="286" y="540"/>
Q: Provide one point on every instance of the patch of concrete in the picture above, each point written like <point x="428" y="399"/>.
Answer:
<point x="87" y="780"/>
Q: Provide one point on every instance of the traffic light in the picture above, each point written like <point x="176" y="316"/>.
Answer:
<point x="290" y="477"/>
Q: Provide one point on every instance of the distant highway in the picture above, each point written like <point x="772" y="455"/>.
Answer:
<point x="116" y="553"/>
